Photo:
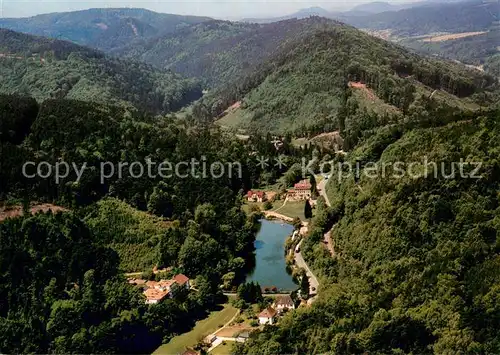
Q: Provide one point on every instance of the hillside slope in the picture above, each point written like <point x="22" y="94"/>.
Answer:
<point x="307" y="83"/>
<point x="468" y="16"/>
<point x="45" y="68"/>
<point x="220" y="51"/>
<point x="105" y="29"/>
<point x="417" y="262"/>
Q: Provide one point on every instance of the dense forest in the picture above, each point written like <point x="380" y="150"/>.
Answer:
<point x="71" y="270"/>
<point x="104" y="29"/>
<point x="416" y="263"/>
<point x="306" y="82"/>
<point x="218" y="52"/>
<point x="416" y="259"/>
<point x="475" y="50"/>
<point x="62" y="292"/>
<point x="44" y="68"/>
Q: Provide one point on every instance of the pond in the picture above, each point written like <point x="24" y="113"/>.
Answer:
<point x="270" y="266"/>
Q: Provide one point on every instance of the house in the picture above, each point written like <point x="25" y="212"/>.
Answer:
<point x="256" y="196"/>
<point x="155" y="291"/>
<point x="154" y="296"/>
<point x="267" y="316"/>
<point x="283" y="303"/>
<point x="182" y="281"/>
<point x="164" y="285"/>
<point x="301" y="191"/>
<point x="191" y="352"/>
<point x="243" y="337"/>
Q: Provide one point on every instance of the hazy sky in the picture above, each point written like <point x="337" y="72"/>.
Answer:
<point x="214" y="8"/>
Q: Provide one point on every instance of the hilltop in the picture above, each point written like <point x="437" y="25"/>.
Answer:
<point x="306" y="84"/>
<point x="220" y="51"/>
<point x="47" y="68"/>
<point x="104" y="29"/>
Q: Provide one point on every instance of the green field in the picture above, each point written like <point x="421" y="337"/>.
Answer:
<point x="238" y="118"/>
<point x="223" y="349"/>
<point x="291" y="209"/>
<point x="203" y="328"/>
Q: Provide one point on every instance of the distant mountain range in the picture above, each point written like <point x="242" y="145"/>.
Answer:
<point x="410" y="17"/>
<point x="366" y="9"/>
<point x="103" y="29"/>
<point x="475" y="15"/>
<point x="210" y="52"/>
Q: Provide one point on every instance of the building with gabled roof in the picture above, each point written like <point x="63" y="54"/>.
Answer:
<point x="283" y="303"/>
<point x="256" y="196"/>
<point x="182" y="281"/>
<point x="154" y="296"/>
<point x="300" y="191"/>
<point x="267" y="316"/>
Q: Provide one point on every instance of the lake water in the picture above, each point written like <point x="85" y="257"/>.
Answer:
<point x="270" y="265"/>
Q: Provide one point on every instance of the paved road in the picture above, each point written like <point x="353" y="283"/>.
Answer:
<point x="219" y="340"/>
<point x="313" y="281"/>
<point x="328" y="235"/>
<point x="322" y="191"/>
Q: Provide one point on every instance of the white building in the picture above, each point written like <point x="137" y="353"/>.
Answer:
<point x="267" y="316"/>
<point x="283" y="303"/>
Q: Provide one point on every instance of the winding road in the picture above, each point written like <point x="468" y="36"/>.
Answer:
<point x="328" y="235"/>
<point x="313" y="281"/>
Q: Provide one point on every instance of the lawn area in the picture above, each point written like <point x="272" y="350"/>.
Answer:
<point x="291" y="209"/>
<point x="235" y="119"/>
<point x="203" y="328"/>
<point x="223" y="349"/>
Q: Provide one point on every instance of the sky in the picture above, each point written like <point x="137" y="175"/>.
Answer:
<point x="224" y="9"/>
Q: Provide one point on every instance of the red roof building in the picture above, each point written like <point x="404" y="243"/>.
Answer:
<point x="182" y="280"/>
<point x="303" y="185"/>
<point x="154" y="296"/>
<point x="256" y="196"/>
<point x="267" y="316"/>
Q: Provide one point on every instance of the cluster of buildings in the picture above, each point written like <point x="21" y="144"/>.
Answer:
<point x="280" y="305"/>
<point x="156" y="291"/>
<point x="301" y="191"/>
<point x="256" y="196"/>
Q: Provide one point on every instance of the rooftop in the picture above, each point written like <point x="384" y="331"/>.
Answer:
<point x="303" y="185"/>
<point x="181" y="279"/>
<point x="153" y="294"/>
<point x="284" y="300"/>
<point x="258" y="193"/>
<point x="269" y="312"/>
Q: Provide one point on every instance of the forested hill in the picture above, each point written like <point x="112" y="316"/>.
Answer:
<point x="62" y="288"/>
<point x="417" y="257"/>
<point x="468" y="16"/>
<point x="308" y="82"/>
<point x="105" y="29"/>
<point x="220" y="51"/>
<point x="45" y="68"/>
<point x="12" y="42"/>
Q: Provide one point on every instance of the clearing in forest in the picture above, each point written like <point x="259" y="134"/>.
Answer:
<point x="451" y="36"/>
<point x="17" y="211"/>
